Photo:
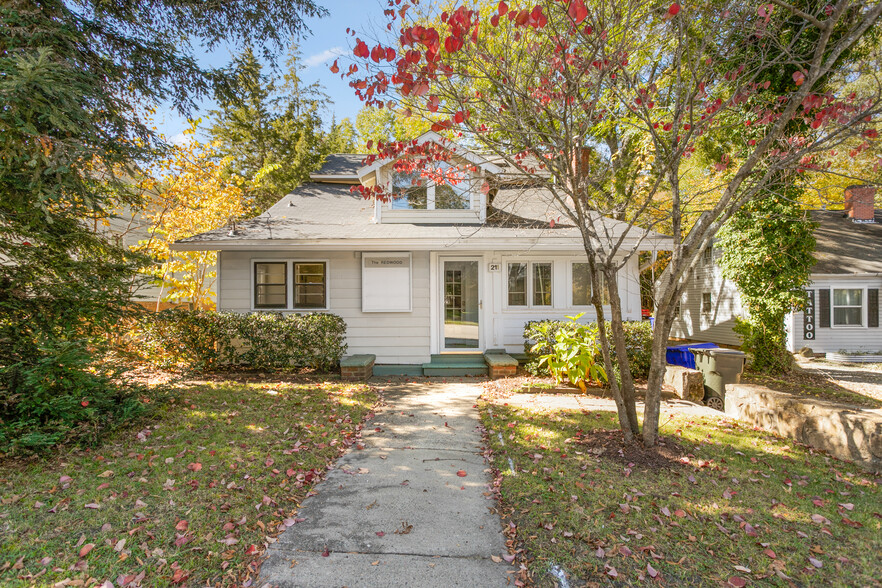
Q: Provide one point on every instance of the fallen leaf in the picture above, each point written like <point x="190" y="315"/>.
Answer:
<point x="85" y="549"/>
<point x="194" y="467"/>
<point x="461" y="473"/>
<point x="92" y="505"/>
<point x="106" y="474"/>
<point x="508" y="557"/>
<point x="815" y="562"/>
<point x="380" y="534"/>
<point x="182" y="525"/>
<point x="496" y="559"/>
<point x="737" y="582"/>
<point x="651" y="571"/>
<point x="326" y="553"/>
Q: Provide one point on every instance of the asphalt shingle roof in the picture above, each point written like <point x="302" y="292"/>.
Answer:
<point x="847" y="247"/>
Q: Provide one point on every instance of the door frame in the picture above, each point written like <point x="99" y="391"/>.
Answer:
<point x="438" y="306"/>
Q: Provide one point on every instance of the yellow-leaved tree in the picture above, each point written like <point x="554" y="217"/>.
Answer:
<point x="190" y="192"/>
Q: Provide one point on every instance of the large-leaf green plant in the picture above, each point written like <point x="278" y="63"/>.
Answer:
<point x="573" y="354"/>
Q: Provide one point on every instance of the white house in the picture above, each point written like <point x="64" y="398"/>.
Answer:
<point x="843" y="314"/>
<point x="442" y="268"/>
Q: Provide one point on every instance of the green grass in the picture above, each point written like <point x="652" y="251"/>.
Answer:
<point x="741" y="508"/>
<point x="192" y="498"/>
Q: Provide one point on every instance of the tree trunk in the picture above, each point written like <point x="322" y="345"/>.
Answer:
<point x="618" y="333"/>
<point x="625" y="421"/>
<point x="657" y="367"/>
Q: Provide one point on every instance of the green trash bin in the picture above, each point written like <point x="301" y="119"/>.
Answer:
<point x="720" y="367"/>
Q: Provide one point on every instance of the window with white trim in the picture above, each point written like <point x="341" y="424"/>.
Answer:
<point x="707" y="256"/>
<point x="848" y="307"/>
<point x="530" y="284"/>
<point x="275" y="289"/>
<point x="582" y="285"/>
<point x="444" y="187"/>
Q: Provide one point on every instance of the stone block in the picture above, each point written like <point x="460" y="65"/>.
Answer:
<point x="357" y="367"/>
<point x="688" y="384"/>
<point x="501" y="365"/>
<point x="844" y="431"/>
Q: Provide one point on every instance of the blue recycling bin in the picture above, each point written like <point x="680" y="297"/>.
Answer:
<point x="680" y="354"/>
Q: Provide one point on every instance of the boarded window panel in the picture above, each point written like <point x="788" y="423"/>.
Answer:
<point x="310" y="285"/>
<point x="517" y="284"/>
<point x="271" y="285"/>
<point x="824" y="308"/>
<point x="541" y="284"/>
<point x="386" y="282"/>
<point x="873" y="307"/>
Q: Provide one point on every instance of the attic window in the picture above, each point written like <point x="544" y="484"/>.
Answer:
<point x="416" y="190"/>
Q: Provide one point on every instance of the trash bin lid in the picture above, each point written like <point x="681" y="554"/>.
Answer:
<point x="732" y="352"/>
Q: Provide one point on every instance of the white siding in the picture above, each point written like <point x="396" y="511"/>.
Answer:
<point x="832" y="339"/>
<point x="716" y="326"/>
<point x="394" y="337"/>
<point x="505" y="326"/>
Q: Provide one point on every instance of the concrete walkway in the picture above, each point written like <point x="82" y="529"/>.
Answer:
<point x="396" y="513"/>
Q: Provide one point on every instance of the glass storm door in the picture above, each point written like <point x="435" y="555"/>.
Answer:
<point x="462" y="327"/>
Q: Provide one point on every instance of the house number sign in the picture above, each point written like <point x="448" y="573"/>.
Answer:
<point x="808" y="317"/>
<point x="495" y="267"/>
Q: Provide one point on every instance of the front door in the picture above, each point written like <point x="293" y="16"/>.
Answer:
<point x="461" y="314"/>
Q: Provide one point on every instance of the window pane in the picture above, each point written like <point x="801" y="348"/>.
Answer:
<point x="847" y="316"/>
<point x="409" y="191"/>
<point x="270" y="273"/>
<point x="271" y="285"/>
<point x="517" y="284"/>
<point x="581" y="284"/>
<point x="849" y="297"/>
<point x="309" y="285"/>
<point x="448" y="197"/>
<point x="271" y="296"/>
<point x="706" y="303"/>
<point x="542" y="284"/>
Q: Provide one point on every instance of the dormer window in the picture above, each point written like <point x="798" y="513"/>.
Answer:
<point x="419" y="190"/>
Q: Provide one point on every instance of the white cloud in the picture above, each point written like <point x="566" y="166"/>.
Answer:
<point x="324" y="56"/>
<point x="181" y="139"/>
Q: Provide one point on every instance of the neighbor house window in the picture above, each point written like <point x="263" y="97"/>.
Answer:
<point x="517" y="284"/>
<point x="529" y="284"/>
<point x="708" y="255"/>
<point x="443" y="188"/>
<point x="848" y="307"/>
<point x="541" y="284"/>
<point x="582" y="286"/>
<point x="706" y="303"/>
<point x="310" y="285"/>
<point x="271" y="285"/>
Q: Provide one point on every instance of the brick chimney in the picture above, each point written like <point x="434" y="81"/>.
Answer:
<point x="860" y="203"/>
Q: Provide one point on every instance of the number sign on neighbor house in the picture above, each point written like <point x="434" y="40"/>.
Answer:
<point x="808" y="317"/>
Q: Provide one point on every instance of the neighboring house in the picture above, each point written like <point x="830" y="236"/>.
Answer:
<point x="452" y="267"/>
<point x="843" y="313"/>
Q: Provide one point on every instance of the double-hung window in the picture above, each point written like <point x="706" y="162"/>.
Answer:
<point x="530" y="284"/>
<point x="582" y="287"/>
<point x="848" y="307"/>
<point x="310" y="285"/>
<point x="271" y="284"/>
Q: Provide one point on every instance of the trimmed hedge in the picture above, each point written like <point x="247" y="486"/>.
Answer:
<point x="638" y="342"/>
<point x="208" y="340"/>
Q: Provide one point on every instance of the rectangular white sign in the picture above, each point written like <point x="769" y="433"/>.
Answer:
<point x="386" y="282"/>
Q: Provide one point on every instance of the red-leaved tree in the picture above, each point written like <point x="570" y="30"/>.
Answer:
<point x="619" y="108"/>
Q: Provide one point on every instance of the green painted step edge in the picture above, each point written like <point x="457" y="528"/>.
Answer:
<point x="390" y="369"/>
<point x="454" y="372"/>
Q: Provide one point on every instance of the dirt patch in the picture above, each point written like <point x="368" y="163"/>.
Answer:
<point x="609" y="444"/>
<point x="815" y="383"/>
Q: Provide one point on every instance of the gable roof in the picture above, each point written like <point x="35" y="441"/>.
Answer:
<point x="847" y="247"/>
<point x="367" y="173"/>
<point x="332" y="216"/>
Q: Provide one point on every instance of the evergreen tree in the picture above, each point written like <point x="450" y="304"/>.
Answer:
<point x="270" y="128"/>
<point x="74" y="76"/>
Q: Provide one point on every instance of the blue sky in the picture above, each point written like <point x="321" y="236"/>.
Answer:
<point x="318" y="50"/>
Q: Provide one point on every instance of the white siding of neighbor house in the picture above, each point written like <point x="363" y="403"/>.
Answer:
<point x="394" y="337"/>
<point x="832" y="339"/>
<point x="716" y="326"/>
<point x="410" y="337"/>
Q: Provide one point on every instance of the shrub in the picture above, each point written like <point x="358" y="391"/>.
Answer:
<point x="62" y="395"/>
<point x="209" y="340"/>
<point x="541" y="338"/>
<point x="573" y="353"/>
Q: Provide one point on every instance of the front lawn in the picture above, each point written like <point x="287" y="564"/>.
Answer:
<point x="192" y="498"/>
<point x="719" y="504"/>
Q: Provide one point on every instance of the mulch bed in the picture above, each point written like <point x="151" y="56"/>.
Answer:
<point x="609" y="444"/>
